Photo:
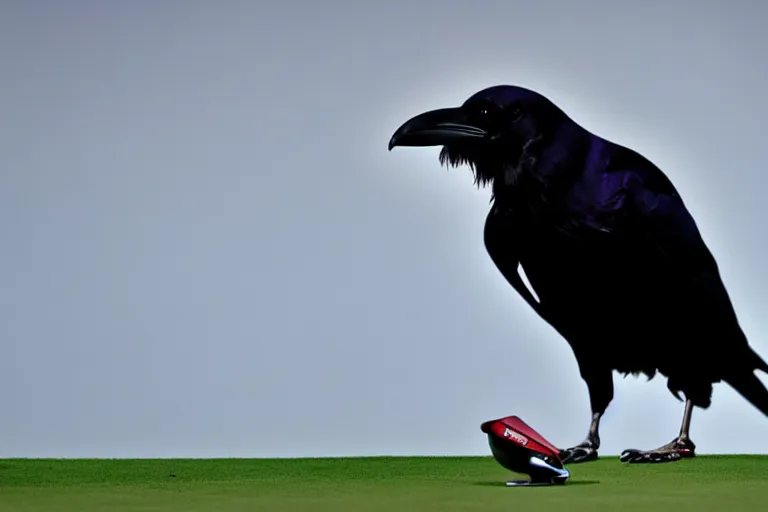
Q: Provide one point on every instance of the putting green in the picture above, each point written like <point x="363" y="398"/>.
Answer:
<point x="424" y="484"/>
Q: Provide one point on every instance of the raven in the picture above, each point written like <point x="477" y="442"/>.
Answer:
<point x="617" y="262"/>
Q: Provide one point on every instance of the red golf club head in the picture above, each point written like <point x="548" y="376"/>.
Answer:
<point x="520" y="449"/>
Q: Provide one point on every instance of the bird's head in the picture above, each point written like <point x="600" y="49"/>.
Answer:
<point x="491" y="131"/>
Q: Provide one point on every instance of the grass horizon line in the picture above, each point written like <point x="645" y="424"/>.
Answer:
<point x="325" y="457"/>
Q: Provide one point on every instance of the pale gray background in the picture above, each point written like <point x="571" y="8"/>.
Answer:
<point x="208" y="251"/>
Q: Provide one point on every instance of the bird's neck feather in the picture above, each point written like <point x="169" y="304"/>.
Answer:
<point x="546" y="161"/>
<point x="547" y="165"/>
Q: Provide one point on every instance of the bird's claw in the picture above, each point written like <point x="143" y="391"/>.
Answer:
<point x="674" y="451"/>
<point x="632" y="456"/>
<point x="583" y="452"/>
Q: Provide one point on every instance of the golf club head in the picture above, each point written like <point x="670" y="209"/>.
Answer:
<point x="520" y="449"/>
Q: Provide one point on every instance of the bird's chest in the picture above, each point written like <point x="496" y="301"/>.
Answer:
<point x="547" y="251"/>
<point x="563" y="260"/>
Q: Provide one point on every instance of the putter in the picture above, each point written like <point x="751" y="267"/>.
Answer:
<point x="520" y="449"/>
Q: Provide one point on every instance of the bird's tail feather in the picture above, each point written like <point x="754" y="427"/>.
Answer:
<point x="749" y="386"/>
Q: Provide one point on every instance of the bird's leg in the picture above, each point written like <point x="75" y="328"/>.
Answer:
<point x="587" y="449"/>
<point x="600" y="386"/>
<point x="679" y="448"/>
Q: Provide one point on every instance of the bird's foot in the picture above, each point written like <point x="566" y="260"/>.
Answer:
<point x="680" y="448"/>
<point x="582" y="452"/>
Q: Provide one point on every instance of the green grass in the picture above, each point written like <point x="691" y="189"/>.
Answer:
<point x="423" y="484"/>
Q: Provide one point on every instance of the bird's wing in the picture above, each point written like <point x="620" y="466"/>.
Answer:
<point x="646" y="210"/>
<point x="639" y="206"/>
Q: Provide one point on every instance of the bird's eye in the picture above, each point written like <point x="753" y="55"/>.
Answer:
<point x="484" y="114"/>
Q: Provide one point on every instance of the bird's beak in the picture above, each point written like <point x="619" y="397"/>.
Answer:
<point x="436" y="128"/>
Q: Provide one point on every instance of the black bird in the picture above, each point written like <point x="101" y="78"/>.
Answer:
<point x="615" y="258"/>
